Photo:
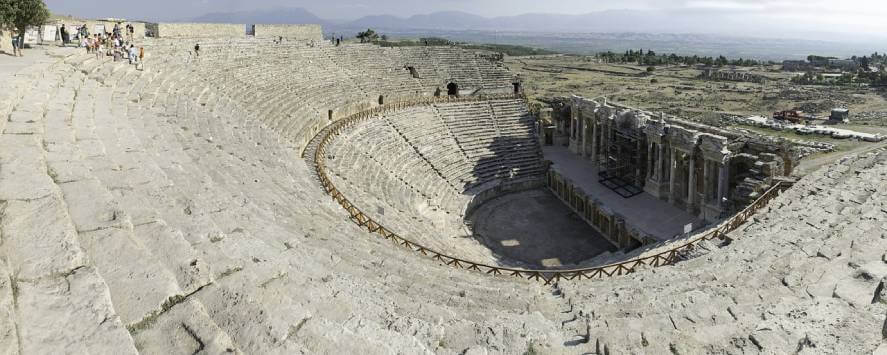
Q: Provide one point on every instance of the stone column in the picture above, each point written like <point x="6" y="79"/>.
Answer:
<point x="594" y="139"/>
<point x="706" y="181"/>
<point x="584" y="150"/>
<point x="637" y="174"/>
<point x="650" y="160"/>
<point x="574" y="127"/>
<point x="603" y="129"/>
<point x="691" y="183"/>
<point x="660" y="166"/>
<point x="723" y="183"/>
<point x="671" y="178"/>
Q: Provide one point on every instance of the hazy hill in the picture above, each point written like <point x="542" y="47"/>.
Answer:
<point x="603" y="21"/>
<point x="287" y="15"/>
<point x="685" y="33"/>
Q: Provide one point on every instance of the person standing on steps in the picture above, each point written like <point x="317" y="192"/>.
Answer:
<point x="141" y="65"/>
<point x="16" y="51"/>
<point x="64" y="34"/>
<point x="133" y="54"/>
<point x="197" y="50"/>
<point x="98" y="48"/>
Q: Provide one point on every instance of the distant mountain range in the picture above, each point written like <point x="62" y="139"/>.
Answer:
<point x="688" y="32"/>
<point x="604" y="21"/>
<point x="286" y="15"/>
<point x="610" y="21"/>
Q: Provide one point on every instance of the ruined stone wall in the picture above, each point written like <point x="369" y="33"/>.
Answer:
<point x="712" y="74"/>
<point x="609" y="224"/>
<point x="204" y="30"/>
<point x="504" y="188"/>
<point x="294" y="32"/>
<point x="6" y="41"/>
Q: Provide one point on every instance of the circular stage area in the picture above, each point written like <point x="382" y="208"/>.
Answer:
<point x="533" y="229"/>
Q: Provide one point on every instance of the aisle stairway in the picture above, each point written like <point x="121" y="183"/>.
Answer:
<point x="199" y="200"/>
<point x="152" y="211"/>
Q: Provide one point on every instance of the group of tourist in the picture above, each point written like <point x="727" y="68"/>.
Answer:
<point x="113" y="45"/>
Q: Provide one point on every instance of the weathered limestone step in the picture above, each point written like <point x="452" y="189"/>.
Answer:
<point x="38" y="239"/>
<point x="134" y="182"/>
<point x="170" y="199"/>
<point x="184" y="328"/>
<point x="9" y="338"/>
<point x="253" y="314"/>
<point x="69" y="314"/>
<point x="140" y="286"/>
<point x="170" y="246"/>
<point x="23" y="168"/>
<point x="92" y="207"/>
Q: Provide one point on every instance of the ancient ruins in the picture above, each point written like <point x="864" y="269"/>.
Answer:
<point x="280" y="193"/>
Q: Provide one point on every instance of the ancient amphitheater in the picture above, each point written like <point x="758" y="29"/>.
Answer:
<point x="302" y="197"/>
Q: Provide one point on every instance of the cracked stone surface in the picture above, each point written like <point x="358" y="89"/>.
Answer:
<point x="168" y="211"/>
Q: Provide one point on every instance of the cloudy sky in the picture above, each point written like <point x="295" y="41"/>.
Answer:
<point x="864" y="17"/>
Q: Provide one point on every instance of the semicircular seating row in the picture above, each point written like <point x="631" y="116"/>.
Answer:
<point x="158" y="212"/>
<point x="179" y="179"/>
<point x="296" y="89"/>
<point x="416" y="170"/>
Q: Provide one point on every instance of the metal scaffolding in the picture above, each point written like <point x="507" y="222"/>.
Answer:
<point x="621" y="170"/>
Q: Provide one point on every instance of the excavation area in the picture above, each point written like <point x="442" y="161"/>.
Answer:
<point x="533" y="229"/>
<point x="465" y="178"/>
<point x="656" y="218"/>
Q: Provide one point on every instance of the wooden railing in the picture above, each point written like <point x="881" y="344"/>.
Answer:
<point x="666" y="257"/>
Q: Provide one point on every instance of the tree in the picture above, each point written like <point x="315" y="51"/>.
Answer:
<point x="368" y="36"/>
<point x="651" y="69"/>
<point x="20" y="14"/>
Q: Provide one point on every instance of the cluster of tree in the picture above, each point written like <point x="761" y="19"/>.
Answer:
<point x="425" y="41"/>
<point x="370" y="36"/>
<point x="651" y="58"/>
<point x="812" y="78"/>
<point x="818" y="59"/>
<point x="872" y="70"/>
<point x="866" y="63"/>
<point x="18" y="15"/>
<point x="507" y="49"/>
<point x="876" y="78"/>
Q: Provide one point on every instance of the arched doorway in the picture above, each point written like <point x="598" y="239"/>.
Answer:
<point x="381" y="100"/>
<point x="516" y="88"/>
<point x="453" y="89"/>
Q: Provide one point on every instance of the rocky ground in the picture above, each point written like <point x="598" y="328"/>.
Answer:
<point x="135" y="217"/>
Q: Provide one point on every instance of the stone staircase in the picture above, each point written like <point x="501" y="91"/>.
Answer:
<point x="153" y="211"/>
<point x="49" y="280"/>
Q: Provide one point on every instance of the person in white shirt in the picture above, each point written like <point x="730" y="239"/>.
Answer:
<point x="133" y="54"/>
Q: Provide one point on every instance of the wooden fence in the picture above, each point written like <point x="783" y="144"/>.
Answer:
<point x="666" y="257"/>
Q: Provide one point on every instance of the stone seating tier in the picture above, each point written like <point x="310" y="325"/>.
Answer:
<point x="120" y="188"/>
<point x="421" y="166"/>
